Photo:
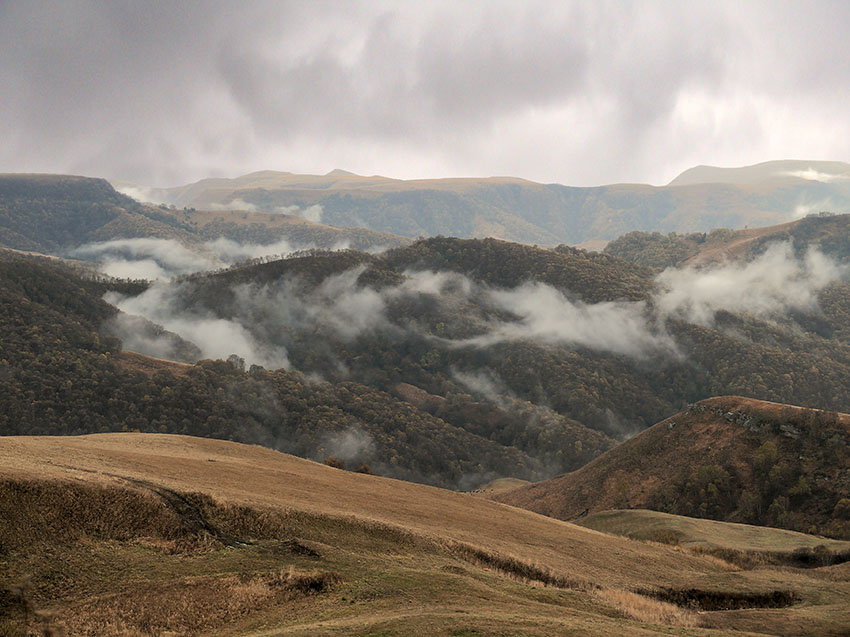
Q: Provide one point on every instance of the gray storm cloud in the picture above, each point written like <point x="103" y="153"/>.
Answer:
<point x="574" y="92"/>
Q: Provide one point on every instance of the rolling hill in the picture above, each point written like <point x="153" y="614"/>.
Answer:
<point x="147" y="534"/>
<point x="471" y="322"/>
<point x="727" y="458"/>
<point x="825" y="171"/>
<point x="701" y="199"/>
<point x="710" y="535"/>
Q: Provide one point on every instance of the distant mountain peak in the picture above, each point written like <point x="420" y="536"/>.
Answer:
<point x="339" y="172"/>
<point x="810" y="170"/>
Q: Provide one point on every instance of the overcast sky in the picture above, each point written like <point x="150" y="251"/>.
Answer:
<point x="164" y="93"/>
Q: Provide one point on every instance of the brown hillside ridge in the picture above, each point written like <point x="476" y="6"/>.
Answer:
<point x="149" y="364"/>
<point x="729" y="458"/>
<point x="722" y="245"/>
<point x="140" y="534"/>
<point x="738" y="245"/>
<point x="741" y="244"/>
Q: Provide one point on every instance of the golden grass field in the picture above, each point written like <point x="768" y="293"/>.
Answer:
<point x="134" y="534"/>
<point x="642" y="524"/>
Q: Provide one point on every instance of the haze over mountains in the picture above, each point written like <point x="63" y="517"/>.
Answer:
<point x="700" y="199"/>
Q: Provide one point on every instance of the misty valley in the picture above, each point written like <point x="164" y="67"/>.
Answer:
<point x="170" y="375"/>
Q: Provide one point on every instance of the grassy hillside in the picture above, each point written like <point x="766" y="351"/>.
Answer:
<point x="646" y="525"/>
<point x="146" y="534"/>
<point x="765" y="171"/>
<point x="548" y="214"/>
<point x="262" y="228"/>
<point x="730" y="458"/>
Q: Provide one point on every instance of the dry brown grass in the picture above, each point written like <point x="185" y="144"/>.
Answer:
<point x="817" y="557"/>
<point x="514" y="567"/>
<point x="148" y="365"/>
<point x="141" y="534"/>
<point x="264" y="489"/>
<point x="646" y="609"/>
<point x="194" y="605"/>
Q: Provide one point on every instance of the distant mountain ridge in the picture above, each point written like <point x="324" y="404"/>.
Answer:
<point x="700" y="199"/>
<point x="828" y="171"/>
<point x="54" y="214"/>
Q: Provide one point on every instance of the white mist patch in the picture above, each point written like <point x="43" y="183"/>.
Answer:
<point x="768" y="286"/>
<point x="483" y="383"/>
<point x="215" y="337"/>
<point x="154" y="259"/>
<point x="310" y="213"/>
<point x="231" y="251"/>
<point x="147" y="269"/>
<point x="338" y="303"/>
<point x="810" y="174"/>
<point x="547" y="316"/>
<point x="138" y="334"/>
<point x="351" y="445"/>
<point x="139" y="193"/>
<point x="804" y="209"/>
<point x="434" y="283"/>
<point x="234" y="204"/>
<point x="347" y="308"/>
<point x="146" y="258"/>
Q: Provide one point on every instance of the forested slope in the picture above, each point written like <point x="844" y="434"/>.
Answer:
<point x="730" y="458"/>
<point x="470" y="358"/>
<point x="59" y="375"/>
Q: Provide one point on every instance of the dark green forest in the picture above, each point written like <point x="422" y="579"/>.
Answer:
<point x="804" y="359"/>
